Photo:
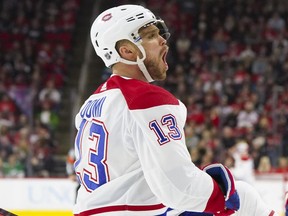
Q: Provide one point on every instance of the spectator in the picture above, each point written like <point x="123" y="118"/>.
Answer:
<point x="51" y="94"/>
<point x="6" y="145"/>
<point x="47" y="116"/>
<point x="276" y="22"/>
<point x="247" y="117"/>
<point x="42" y="149"/>
<point x="13" y="167"/>
<point x="264" y="165"/>
<point x="228" y="138"/>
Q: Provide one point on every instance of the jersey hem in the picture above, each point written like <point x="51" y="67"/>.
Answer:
<point x="121" y="208"/>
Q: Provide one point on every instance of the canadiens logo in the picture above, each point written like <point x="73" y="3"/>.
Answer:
<point x="107" y="17"/>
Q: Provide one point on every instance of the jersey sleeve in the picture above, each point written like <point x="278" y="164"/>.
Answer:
<point x="167" y="166"/>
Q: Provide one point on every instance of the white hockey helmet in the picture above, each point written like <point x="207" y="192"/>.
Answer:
<point x="119" y="23"/>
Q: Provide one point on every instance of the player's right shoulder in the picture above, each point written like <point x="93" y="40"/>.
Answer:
<point x="139" y="94"/>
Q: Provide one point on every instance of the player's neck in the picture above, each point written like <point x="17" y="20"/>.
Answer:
<point x="129" y="71"/>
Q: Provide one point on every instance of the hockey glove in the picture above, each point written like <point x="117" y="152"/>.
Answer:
<point x="225" y="180"/>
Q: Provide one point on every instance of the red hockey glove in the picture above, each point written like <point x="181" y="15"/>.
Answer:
<point x="225" y="180"/>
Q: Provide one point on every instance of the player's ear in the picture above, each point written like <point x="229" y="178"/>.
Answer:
<point x="127" y="50"/>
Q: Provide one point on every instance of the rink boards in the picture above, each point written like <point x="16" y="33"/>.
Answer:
<point x="56" y="196"/>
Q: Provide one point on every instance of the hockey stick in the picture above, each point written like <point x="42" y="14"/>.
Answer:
<point x="6" y="213"/>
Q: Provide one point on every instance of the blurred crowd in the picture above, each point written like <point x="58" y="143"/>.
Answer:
<point x="35" y="39"/>
<point x="228" y="62"/>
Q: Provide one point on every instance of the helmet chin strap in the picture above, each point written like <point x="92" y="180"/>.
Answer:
<point x="144" y="70"/>
<point x="140" y="63"/>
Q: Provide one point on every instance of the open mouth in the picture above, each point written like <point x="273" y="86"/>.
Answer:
<point x="164" y="57"/>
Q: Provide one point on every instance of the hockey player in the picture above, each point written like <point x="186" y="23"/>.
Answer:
<point x="131" y="157"/>
<point x="244" y="165"/>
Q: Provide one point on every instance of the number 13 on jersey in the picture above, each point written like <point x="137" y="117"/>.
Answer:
<point x="90" y="166"/>
<point x="169" y="122"/>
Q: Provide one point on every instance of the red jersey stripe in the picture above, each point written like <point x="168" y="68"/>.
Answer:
<point x="120" y="208"/>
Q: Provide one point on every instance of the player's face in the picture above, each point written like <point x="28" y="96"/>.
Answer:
<point x="156" y="51"/>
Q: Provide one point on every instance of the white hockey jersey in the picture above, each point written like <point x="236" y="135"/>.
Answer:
<point x="131" y="157"/>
